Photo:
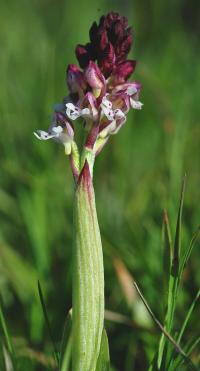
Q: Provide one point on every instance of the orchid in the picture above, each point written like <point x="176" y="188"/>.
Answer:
<point x="100" y="97"/>
<point x="60" y="130"/>
<point x="99" y="91"/>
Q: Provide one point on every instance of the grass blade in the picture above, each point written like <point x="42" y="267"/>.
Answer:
<point x="66" y="344"/>
<point x="103" y="362"/>
<point x="174" y="274"/>
<point x="7" y="360"/>
<point x="167" y="245"/>
<point x="189" y="251"/>
<point x="159" y="325"/>
<point x="188" y="316"/>
<point x="177" y="242"/>
<point x="47" y="322"/>
<point x="176" y="346"/>
<point x="67" y="356"/>
<point x="6" y="332"/>
<point x="173" y="278"/>
<point x="191" y="345"/>
<point x="167" y="263"/>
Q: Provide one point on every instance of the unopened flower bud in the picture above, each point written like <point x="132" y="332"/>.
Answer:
<point x="123" y="72"/>
<point x="107" y="60"/>
<point x="85" y="53"/>
<point x="75" y="79"/>
<point x="94" y="78"/>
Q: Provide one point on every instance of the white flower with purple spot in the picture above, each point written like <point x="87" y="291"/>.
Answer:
<point x="63" y="133"/>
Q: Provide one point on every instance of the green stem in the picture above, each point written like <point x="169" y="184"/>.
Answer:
<point x="88" y="278"/>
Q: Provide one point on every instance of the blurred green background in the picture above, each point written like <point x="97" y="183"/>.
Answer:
<point x="138" y="174"/>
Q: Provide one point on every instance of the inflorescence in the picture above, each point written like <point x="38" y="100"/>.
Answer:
<point x="99" y="91"/>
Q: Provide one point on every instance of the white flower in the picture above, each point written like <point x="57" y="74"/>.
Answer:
<point x="74" y="112"/>
<point x="116" y="117"/>
<point x="60" y="134"/>
<point x="119" y="114"/>
<point x="136" y="104"/>
<point x="131" y="90"/>
<point x="107" y="110"/>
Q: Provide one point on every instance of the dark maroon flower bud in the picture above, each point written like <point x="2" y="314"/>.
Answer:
<point x="122" y="49"/>
<point x="110" y="43"/>
<point x="123" y="71"/>
<point x="102" y="21"/>
<point x="116" y="32"/>
<point x="84" y="54"/>
<point x="103" y="42"/>
<point x="98" y="37"/>
<point x="75" y="79"/>
<point x="113" y="17"/>
<point x="127" y="41"/>
<point x="107" y="60"/>
<point x="93" y="32"/>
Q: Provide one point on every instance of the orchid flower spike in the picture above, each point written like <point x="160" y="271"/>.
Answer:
<point x="100" y="93"/>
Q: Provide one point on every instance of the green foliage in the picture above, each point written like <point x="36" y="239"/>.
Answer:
<point x="167" y="355"/>
<point x="66" y="345"/>
<point x="103" y="363"/>
<point x="137" y="175"/>
<point x="44" y="309"/>
<point x="7" y="349"/>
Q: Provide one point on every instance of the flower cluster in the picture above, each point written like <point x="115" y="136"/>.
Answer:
<point x="110" y="43"/>
<point x="99" y="91"/>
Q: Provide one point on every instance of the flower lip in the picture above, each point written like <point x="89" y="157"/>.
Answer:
<point x="55" y="133"/>
<point x="108" y="111"/>
<point x="74" y="112"/>
<point x="60" y="130"/>
<point x="136" y="104"/>
<point x="86" y="108"/>
<point x="115" y="118"/>
<point x="43" y="135"/>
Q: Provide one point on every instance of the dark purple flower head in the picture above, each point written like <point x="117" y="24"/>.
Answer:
<point x="110" y="43"/>
<point x="100" y="94"/>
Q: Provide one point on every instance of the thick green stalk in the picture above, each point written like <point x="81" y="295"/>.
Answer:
<point x="88" y="278"/>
